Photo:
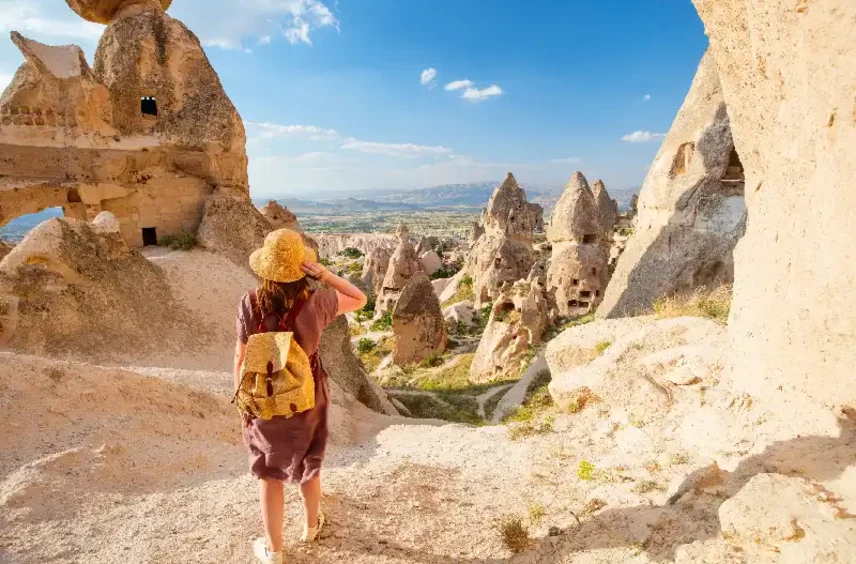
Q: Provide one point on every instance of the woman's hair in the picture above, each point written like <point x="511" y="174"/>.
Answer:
<point x="279" y="297"/>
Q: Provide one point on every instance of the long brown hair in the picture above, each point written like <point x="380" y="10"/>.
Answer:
<point x="279" y="297"/>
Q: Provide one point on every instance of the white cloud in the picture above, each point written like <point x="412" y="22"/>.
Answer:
<point x="31" y="19"/>
<point x="427" y="76"/>
<point x="401" y="150"/>
<point x="458" y="84"/>
<point x="567" y="160"/>
<point x="642" y="137"/>
<point x="646" y="97"/>
<point x="268" y="130"/>
<point x="477" y="95"/>
<point x="265" y="40"/>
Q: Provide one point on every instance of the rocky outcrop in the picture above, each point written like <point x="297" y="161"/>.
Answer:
<point x="431" y="262"/>
<point x="279" y="216"/>
<point x="146" y="134"/>
<point x="331" y="244"/>
<point x="403" y="264"/>
<point x="607" y="209"/>
<point x="476" y="231"/>
<point x="232" y="228"/>
<point x="503" y="254"/>
<point x="578" y="268"/>
<point x="417" y="323"/>
<point x="515" y="327"/>
<point x="791" y="104"/>
<point x="374" y="269"/>
<point x="691" y="207"/>
<point x="343" y="366"/>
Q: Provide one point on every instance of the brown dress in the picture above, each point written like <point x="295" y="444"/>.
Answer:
<point x="291" y="449"/>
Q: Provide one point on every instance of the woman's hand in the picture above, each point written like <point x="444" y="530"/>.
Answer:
<point x="314" y="270"/>
<point x="245" y="420"/>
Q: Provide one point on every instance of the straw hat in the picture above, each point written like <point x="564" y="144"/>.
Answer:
<point x="281" y="256"/>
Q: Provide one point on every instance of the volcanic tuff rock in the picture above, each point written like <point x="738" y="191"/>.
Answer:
<point x="279" y="216"/>
<point x="147" y="133"/>
<point x="508" y="212"/>
<point x="476" y="231"/>
<point x="494" y="263"/>
<point x="331" y="244"/>
<point x="431" y="262"/>
<point x="403" y="264"/>
<point x="691" y="208"/>
<point x="791" y="104"/>
<point x="233" y="228"/>
<point x="374" y="269"/>
<point x="607" y="209"/>
<point x="417" y="322"/>
<point x="578" y="267"/>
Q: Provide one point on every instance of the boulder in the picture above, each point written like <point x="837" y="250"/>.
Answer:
<point x="374" y="269"/>
<point x="461" y="312"/>
<point x="578" y="273"/>
<point x="691" y="208"/>
<point x="431" y="262"/>
<point x="791" y="104"/>
<point x="428" y="243"/>
<point x="233" y="228"/>
<point x="344" y="368"/>
<point x="453" y="285"/>
<point x="417" y="323"/>
<point x="279" y="216"/>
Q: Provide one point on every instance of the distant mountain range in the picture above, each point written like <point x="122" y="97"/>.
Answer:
<point x="474" y="195"/>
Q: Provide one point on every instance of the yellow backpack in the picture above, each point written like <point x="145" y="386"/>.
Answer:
<point x="276" y="375"/>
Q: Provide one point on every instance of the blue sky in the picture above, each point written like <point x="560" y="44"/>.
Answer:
<point x="335" y="95"/>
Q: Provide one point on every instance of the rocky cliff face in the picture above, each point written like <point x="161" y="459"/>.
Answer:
<point x="787" y="71"/>
<point x="691" y="207"/>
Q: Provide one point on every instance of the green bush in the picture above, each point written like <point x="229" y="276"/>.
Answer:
<point x="324" y="261"/>
<point x="366" y="313"/>
<point x="446" y="271"/>
<point x="351" y="252"/>
<point x="183" y="241"/>
<point x="384" y="323"/>
<point x="365" y="346"/>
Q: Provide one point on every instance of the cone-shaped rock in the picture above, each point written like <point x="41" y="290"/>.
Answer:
<point x="576" y="216"/>
<point x="417" y="322"/>
<point x="606" y="209"/>
<point x="374" y="269"/>
<point x="691" y="207"/>
<point x="403" y="264"/>
<point x="509" y="213"/>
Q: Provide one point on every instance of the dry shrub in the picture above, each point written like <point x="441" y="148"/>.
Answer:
<point x="514" y="534"/>
<point x="712" y="304"/>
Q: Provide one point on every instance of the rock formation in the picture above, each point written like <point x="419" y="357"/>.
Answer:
<point x="503" y="254"/>
<point x="417" y="323"/>
<point x="578" y="268"/>
<point x="147" y="134"/>
<point x="476" y="231"/>
<point x="331" y="244"/>
<point x="691" y="208"/>
<point x="790" y="99"/>
<point x="232" y="227"/>
<point x="374" y="269"/>
<point x="607" y="209"/>
<point x="516" y="325"/>
<point x="431" y="262"/>
<point x="279" y="216"/>
<point x="403" y="264"/>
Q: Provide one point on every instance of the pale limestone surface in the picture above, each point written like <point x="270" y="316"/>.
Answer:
<point x="787" y="72"/>
<point x="691" y="208"/>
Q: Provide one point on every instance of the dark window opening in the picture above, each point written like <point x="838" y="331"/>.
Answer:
<point x="73" y="196"/>
<point x="681" y="162"/>
<point x="585" y="294"/>
<point x="149" y="106"/>
<point x="597" y="293"/>
<point x="594" y="271"/>
<point x="150" y="236"/>
<point x="584" y="304"/>
<point x="575" y="282"/>
<point x="572" y="303"/>
<point x="734" y="172"/>
<point x="589" y="238"/>
<point x="497" y="262"/>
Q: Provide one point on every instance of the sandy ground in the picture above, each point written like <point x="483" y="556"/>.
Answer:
<point x="144" y="464"/>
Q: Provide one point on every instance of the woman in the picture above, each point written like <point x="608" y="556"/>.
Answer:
<point x="290" y="449"/>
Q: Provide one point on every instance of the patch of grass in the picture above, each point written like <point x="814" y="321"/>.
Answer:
<point x="356" y="329"/>
<point x="636" y="422"/>
<point x="384" y="323"/>
<point x="446" y="271"/>
<point x="366" y="346"/>
<point x="325" y="262"/>
<point x="446" y="406"/>
<point x="351" y="252"/>
<point x="431" y="361"/>
<point x="371" y="359"/>
<point x="490" y="405"/>
<point x="366" y="313"/>
<point x="355" y="269"/>
<point x="586" y="471"/>
<point x="566" y="323"/>
<point x="183" y="241"/>
<point x="652" y="466"/>
<point x="536" y="512"/>
<point x="454" y="378"/>
<point x="678" y="458"/>
<point x="625" y="231"/>
<point x="602" y="346"/>
<point x="593" y="506"/>
<point x="514" y="535"/>
<point x="537" y="402"/>
<point x="464" y="293"/>
<point x="647" y="486"/>
<point x="712" y="304"/>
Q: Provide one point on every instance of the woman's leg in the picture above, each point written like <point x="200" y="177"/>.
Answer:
<point x="272" y="497"/>
<point x="311" y="493"/>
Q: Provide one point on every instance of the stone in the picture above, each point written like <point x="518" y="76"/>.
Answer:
<point x="417" y="323"/>
<point x="374" y="269"/>
<point x="426" y="244"/>
<point x="279" y="216"/>
<point x="146" y="133"/>
<point x="440" y="285"/>
<point x="515" y="327"/>
<point x="607" y="209"/>
<point x="461" y="312"/>
<point x="495" y="263"/>
<point x="509" y="213"/>
<point x="792" y="329"/>
<point x="331" y="244"/>
<point x="104" y="11"/>
<point x="431" y="262"/>
<point x="691" y="208"/>
<point x="344" y="368"/>
<point x="403" y="264"/>
<point x="578" y="271"/>
<point x="476" y="231"/>
<point x="232" y="228"/>
<point x="106" y="222"/>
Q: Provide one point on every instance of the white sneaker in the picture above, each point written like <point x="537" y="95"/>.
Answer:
<point x="260" y="549"/>
<point x="309" y="533"/>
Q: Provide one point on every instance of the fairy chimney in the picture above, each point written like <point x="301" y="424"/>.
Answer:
<point x="417" y="322"/>
<point x="403" y="264"/>
<point x="606" y="208"/>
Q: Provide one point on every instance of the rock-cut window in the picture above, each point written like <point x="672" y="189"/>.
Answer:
<point x="149" y="106"/>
